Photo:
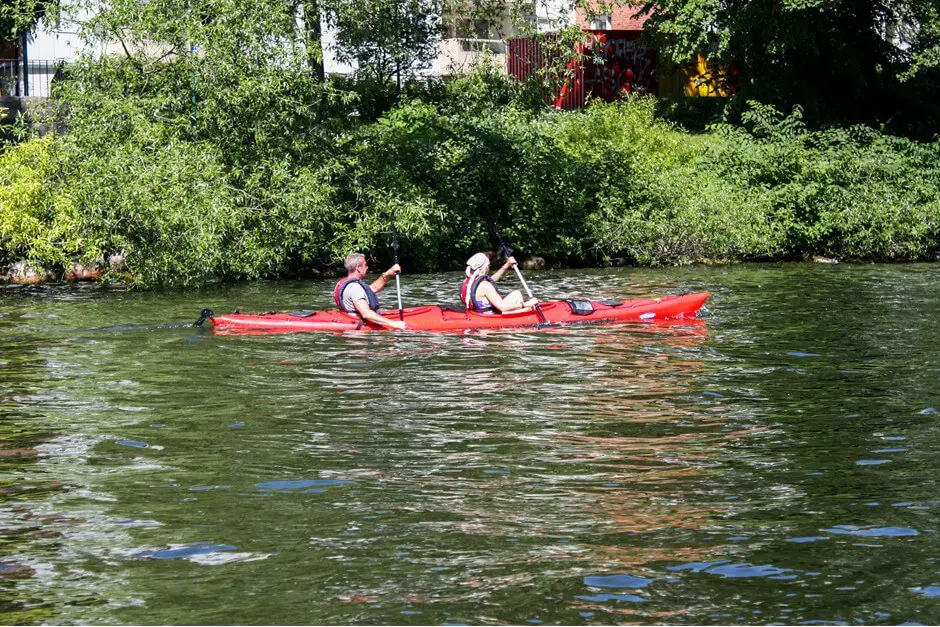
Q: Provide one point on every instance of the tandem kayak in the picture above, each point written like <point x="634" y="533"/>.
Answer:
<point x="443" y="318"/>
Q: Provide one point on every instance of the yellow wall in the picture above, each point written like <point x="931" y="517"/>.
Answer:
<point x="697" y="78"/>
<point x="701" y="80"/>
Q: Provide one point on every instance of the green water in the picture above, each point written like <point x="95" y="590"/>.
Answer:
<point x="776" y="464"/>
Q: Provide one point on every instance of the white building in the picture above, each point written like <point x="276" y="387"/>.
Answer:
<point x="28" y="65"/>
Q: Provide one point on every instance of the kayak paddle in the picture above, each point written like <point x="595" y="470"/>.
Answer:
<point x="508" y="253"/>
<point x="401" y="312"/>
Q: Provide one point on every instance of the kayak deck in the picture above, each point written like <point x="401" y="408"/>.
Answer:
<point x="442" y="318"/>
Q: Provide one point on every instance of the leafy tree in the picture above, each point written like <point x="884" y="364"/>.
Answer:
<point x="19" y="16"/>
<point x="839" y="59"/>
<point x="387" y="39"/>
<point x="914" y="25"/>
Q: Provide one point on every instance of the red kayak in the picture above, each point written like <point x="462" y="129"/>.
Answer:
<point x="438" y="318"/>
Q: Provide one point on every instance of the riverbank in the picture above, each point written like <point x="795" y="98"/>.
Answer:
<point x="612" y="184"/>
<point x="26" y="273"/>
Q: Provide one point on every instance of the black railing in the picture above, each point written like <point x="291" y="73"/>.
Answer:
<point x="31" y="79"/>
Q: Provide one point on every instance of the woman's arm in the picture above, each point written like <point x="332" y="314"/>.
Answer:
<point x="506" y="266"/>
<point x="487" y="290"/>
<point x="505" y="305"/>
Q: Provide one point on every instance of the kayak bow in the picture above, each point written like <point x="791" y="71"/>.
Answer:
<point x="442" y="318"/>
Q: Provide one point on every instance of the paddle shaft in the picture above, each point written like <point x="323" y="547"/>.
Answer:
<point x="508" y="253"/>
<point x="521" y="280"/>
<point x="401" y="312"/>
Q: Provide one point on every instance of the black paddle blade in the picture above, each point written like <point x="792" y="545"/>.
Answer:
<point x="205" y="315"/>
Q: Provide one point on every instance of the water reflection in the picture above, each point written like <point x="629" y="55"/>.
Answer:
<point x="715" y="472"/>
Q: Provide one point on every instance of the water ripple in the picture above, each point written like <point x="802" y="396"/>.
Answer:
<point x="693" y="473"/>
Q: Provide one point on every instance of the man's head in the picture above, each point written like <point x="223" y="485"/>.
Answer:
<point x="355" y="263"/>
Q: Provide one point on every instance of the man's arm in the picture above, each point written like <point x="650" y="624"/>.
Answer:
<point x="362" y="308"/>
<point x="379" y="284"/>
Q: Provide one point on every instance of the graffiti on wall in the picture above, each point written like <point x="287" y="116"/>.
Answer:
<point x="627" y="66"/>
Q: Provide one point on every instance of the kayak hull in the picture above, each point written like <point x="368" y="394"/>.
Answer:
<point x="437" y="318"/>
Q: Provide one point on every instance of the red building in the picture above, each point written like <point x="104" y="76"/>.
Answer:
<point x="613" y="62"/>
<point x="620" y="18"/>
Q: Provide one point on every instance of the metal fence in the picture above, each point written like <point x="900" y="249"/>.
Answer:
<point x="31" y="79"/>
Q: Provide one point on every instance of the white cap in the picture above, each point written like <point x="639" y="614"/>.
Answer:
<point x="477" y="263"/>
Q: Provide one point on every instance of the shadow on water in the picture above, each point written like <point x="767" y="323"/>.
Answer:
<point x="776" y="463"/>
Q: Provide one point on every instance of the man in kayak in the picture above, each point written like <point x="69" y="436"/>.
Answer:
<point x="355" y="296"/>
<point x="479" y="292"/>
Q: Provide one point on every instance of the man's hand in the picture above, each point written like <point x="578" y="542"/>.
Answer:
<point x="362" y="306"/>
<point x="379" y="284"/>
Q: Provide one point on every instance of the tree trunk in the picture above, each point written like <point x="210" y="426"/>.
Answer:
<point x="314" y="38"/>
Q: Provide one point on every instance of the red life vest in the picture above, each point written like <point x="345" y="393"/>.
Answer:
<point x="475" y="304"/>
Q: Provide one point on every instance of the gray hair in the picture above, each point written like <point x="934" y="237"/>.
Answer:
<point x="352" y="261"/>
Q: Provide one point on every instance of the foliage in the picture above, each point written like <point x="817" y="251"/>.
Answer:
<point x="846" y="61"/>
<point x="851" y="192"/>
<point x="36" y="222"/>
<point x="611" y="182"/>
<point x="229" y="71"/>
<point x="614" y="182"/>
<point x="19" y="16"/>
<point x="163" y="202"/>
<point x="488" y="88"/>
<point x="211" y="147"/>
<point x="386" y="39"/>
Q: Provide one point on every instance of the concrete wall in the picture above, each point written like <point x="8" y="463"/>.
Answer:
<point x="54" y="42"/>
<point x="462" y="55"/>
<point x="13" y="107"/>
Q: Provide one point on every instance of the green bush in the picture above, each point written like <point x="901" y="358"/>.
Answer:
<point x="651" y="198"/>
<point x="610" y="182"/>
<point x="852" y="193"/>
<point x="164" y="203"/>
<point x="37" y="221"/>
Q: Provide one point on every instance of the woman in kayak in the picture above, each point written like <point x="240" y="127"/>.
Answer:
<point x="355" y="296"/>
<point x="479" y="292"/>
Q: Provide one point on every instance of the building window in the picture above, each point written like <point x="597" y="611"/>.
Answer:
<point x="600" y="22"/>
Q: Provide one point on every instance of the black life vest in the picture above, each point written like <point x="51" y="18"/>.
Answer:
<point x="341" y="286"/>
<point x="474" y="304"/>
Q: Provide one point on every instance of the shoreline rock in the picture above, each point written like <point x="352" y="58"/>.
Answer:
<point x="81" y="272"/>
<point x="117" y="262"/>
<point x="533" y="263"/>
<point x="26" y="273"/>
